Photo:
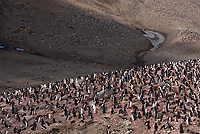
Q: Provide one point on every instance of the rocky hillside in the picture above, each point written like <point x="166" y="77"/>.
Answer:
<point x="75" y="37"/>
<point x="57" y="32"/>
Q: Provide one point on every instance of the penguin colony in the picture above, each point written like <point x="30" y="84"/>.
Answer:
<point x="165" y="96"/>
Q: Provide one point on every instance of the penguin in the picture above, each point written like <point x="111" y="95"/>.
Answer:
<point x="133" y="117"/>
<point x="79" y="115"/>
<point x="198" y="114"/>
<point x="34" y="126"/>
<point x="13" y="110"/>
<point x="115" y="102"/>
<point x="83" y="117"/>
<point x="184" y="109"/>
<point x="150" y="114"/>
<point x="169" y="119"/>
<point x="49" y="115"/>
<point x="147" y="123"/>
<point x="43" y="127"/>
<point x="143" y="110"/>
<point x="1" y="99"/>
<point x="94" y="108"/>
<point x="47" y="123"/>
<point x="156" y="127"/>
<point x="75" y="102"/>
<point x="125" y="107"/>
<point x="7" y="100"/>
<point x="47" y="91"/>
<point x="108" y="129"/>
<point x="104" y="109"/>
<point x="178" y="115"/>
<point x="65" y="111"/>
<point x="5" y="124"/>
<point x="121" y="111"/>
<point x="18" y="118"/>
<point x="32" y="111"/>
<point x="15" y="130"/>
<point x="161" y="119"/>
<point x="57" y="105"/>
<point x="73" y="121"/>
<point x="190" y="114"/>
<point x="112" y="111"/>
<point x="181" y="128"/>
<point x="147" y="115"/>
<point x="25" y="122"/>
<point x="156" y="114"/>
<point x="189" y="120"/>
<point x="42" y="121"/>
<point x="19" y="131"/>
<point x="139" y="115"/>
<point x="91" y="116"/>
<point x="74" y="112"/>
<point x="53" y="120"/>
<point x="174" y="109"/>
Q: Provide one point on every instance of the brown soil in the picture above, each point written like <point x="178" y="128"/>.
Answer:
<point x="59" y="30"/>
<point x="93" y="31"/>
<point x="71" y="38"/>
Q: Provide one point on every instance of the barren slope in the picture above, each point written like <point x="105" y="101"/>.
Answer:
<point x="178" y="20"/>
<point x="60" y="30"/>
<point x="96" y="31"/>
<point x="71" y="38"/>
<point x="57" y="29"/>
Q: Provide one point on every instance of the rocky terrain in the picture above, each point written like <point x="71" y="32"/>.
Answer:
<point x="98" y="33"/>
<point x="161" y="98"/>
<point x="44" y="41"/>
<point x="66" y="33"/>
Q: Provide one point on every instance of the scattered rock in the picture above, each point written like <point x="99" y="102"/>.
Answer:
<point x="104" y="93"/>
<point x="22" y="5"/>
<point x="29" y="31"/>
<point x="50" y="35"/>
<point x="161" y="84"/>
<point x="17" y="30"/>
<point x="3" y="105"/>
<point x="12" y="119"/>
<point x="28" y="117"/>
<point x="73" y="56"/>
<point x="77" y="41"/>
<point x="20" y="38"/>
<point x="72" y="27"/>
<point x="29" y="50"/>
